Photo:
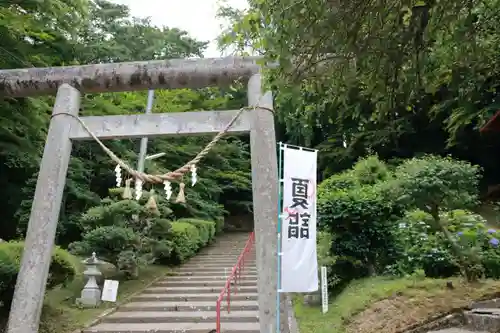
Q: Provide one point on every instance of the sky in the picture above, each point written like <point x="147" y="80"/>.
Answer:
<point x="197" y="17"/>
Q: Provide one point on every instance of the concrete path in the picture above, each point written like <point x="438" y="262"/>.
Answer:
<point x="482" y="317"/>
<point x="187" y="302"/>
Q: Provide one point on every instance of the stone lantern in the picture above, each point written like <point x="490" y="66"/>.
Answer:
<point x="91" y="293"/>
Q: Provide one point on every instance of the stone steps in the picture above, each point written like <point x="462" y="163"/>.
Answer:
<point x="483" y="317"/>
<point x="217" y="274"/>
<point x="213" y="275"/>
<point x="192" y="297"/>
<point x="173" y="328"/>
<point x="487" y="320"/>
<point x="214" y="263"/>
<point x="186" y="301"/>
<point x="186" y="306"/>
<point x="204" y="283"/>
<point x="196" y="290"/>
<point x="207" y="278"/>
<point x="218" y="263"/>
<point x="179" y="317"/>
<point x="212" y="270"/>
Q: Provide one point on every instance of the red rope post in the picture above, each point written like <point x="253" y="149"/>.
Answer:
<point x="217" y="309"/>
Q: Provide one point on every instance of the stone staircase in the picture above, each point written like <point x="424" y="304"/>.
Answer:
<point x="186" y="302"/>
<point x="482" y="317"/>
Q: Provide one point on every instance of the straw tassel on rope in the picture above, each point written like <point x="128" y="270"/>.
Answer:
<point x="127" y="192"/>
<point x="181" y="198"/>
<point x="151" y="204"/>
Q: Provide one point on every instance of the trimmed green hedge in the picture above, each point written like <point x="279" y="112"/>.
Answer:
<point x="185" y="241"/>
<point x="206" y="230"/>
<point x="63" y="268"/>
<point x="188" y="236"/>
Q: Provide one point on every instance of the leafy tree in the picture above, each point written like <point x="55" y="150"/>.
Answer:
<point x="396" y="78"/>
<point x="433" y="184"/>
<point x="52" y="33"/>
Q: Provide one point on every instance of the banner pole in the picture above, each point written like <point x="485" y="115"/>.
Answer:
<point x="278" y="250"/>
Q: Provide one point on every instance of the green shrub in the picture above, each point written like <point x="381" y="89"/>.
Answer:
<point x="120" y="213"/>
<point x="162" y="251"/>
<point x="185" y="239"/>
<point x="63" y="268"/>
<point x="129" y="262"/>
<point x="370" y="170"/>
<point x="8" y="275"/>
<point x="219" y="224"/>
<point x="426" y="247"/>
<point x="340" y="181"/>
<point x="361" y="221"/>
<point x="434" y="183"/>
<point x="108" y="242"/>
<point x="160" y="245"/>
<point x="324" y="245"/>
<point x="205" y="228"/>
<point x="160" y="229"/>
<point x="491" y="263"/>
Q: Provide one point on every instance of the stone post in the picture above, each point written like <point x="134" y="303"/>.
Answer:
<point x="265" y="205"/>
<point x="32" y="278"/>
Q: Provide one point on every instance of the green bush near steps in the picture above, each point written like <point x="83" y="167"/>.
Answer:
<point x="185" y="239"/>
<point x="128" y="235"/>
<point x="206" y="230"/>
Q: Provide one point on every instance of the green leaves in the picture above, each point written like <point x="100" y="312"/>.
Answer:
<point x="434" y="183"/>
<point x="355" y="208"/>
<point x="56" y="32"/>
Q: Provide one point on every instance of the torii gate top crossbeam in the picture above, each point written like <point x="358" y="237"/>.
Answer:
<point x="129" y="76"/>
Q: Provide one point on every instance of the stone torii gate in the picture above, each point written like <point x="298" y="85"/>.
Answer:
<point x="68" y="83"/>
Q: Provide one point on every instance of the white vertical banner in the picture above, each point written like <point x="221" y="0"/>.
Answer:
<point x="299" y="263"/>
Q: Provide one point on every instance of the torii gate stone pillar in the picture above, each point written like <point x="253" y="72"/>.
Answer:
<point x="68" y="83"/>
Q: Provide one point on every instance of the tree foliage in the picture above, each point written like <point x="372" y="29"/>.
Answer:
<point x="396" y="78"/>
<point x="406" y="219"/>
<point x="54" y="33"/>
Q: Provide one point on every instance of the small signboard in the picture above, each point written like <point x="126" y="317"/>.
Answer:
<point x="324" y="290"/>
<point x="110" y="290"/>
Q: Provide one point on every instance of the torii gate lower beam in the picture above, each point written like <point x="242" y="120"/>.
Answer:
<point x="30" y="288"/>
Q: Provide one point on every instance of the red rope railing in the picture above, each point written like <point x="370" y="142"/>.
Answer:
<point x="234" y="276"/>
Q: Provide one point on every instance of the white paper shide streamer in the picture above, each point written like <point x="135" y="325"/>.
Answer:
<point x="138" y="189"/>
<point x="194" y="175"/>
<point x="118" y="174"/>
<point x="168" y="189"/>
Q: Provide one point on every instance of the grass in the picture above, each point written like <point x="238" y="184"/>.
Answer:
<point x="389" y="305"/>
<point x="61" y="315"/>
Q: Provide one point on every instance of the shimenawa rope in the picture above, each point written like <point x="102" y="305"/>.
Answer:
<point x="175" y="175"/>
